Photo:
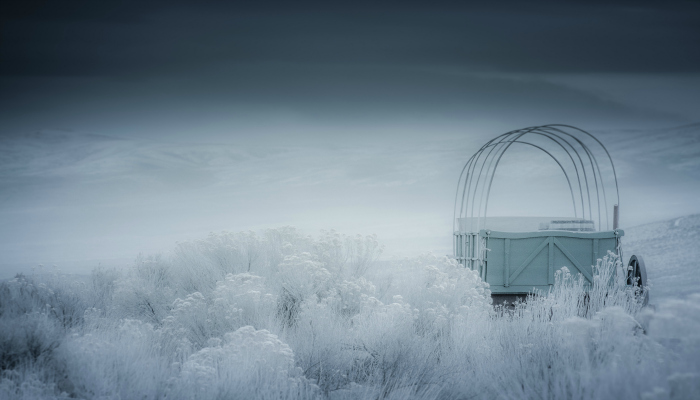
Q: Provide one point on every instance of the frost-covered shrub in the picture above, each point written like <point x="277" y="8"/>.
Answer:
<point x="233" y="252"/>
<point x="349" y="297"/>
<point x="570" y="297"/>
<point x="201" y="263"/>
<point x="247" y="363"/>
<point x="51" y="295"/>
<point x="457" y="288"/>
<point x="150" y="287"/>
<point x="238" y="300"/>
<point x="301" y="278"/>
<point x="120" y="362"/>
<point x="610" y="287"/>
<point x="265" y="316"/>
<point x="243" y="299"/>
<point x="567" y="343"/>
<point x="26" y="385"/>
<point x="101" y="288"/>
<point x="146" y="292"/>
<point x="28" y="339"/>
<point x="347" y="256"/>
<point x="189" y="325"/>
<point x="282" y="242"/>
<point x="393" y="347"/>
<point x="441" y="290"/>
<point x="34" y="317"/>
<point x="675" y="325"/>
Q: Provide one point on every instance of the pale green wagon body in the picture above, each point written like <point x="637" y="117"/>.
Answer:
<point x="524" y="262"/>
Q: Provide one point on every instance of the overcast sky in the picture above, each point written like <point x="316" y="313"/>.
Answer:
<point x="230" y="69"/>
<point x="330" y="85"/>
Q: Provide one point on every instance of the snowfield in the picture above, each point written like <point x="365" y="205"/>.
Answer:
<point x="281" y="315"/>
<point x="670" y="250"/>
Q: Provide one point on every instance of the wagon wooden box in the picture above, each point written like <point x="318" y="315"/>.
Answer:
<point x="520" y="262"/>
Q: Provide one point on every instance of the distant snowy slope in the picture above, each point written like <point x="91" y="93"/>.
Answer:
<point x="68" y="197"/>
<point x="658" y="172"/>
<point x="66" y="154"/>
<point x="676" y="149"/>
<point x="671" y="251"/>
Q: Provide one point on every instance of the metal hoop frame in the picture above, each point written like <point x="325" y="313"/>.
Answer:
<point x="476" y="178"/>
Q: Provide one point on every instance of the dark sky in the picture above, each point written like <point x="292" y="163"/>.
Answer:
<point x="141" y="38"/>
<point x="98" y="66"/>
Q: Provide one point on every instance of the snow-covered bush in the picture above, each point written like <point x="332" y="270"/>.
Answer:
<point x="346" y="256"/>
<point x="363" y="345"/>
<point x="30" y="385"/>
<point x="238" y="300"/>
<point x="62" y="301"/>
<point x="349" y="297"/>
<point x="35" y="315"/>
<point x="122" y="361"/>
<point x="567" y="343"/>
<point x="101" y="288"/>
<point x="675" y="326"/>
<point x="189" y="325"/>
<point x="243" y="299"/>
<point x="247" y="363"/>
<point x="282" y="242"/>
<point x="440" y="290"/>
<point x="201" y="263"/>
<point x="301" y="278"/>
<point x="28" y="339"/>
<point x="145" y="293"/>
<point x="283" y="315"/>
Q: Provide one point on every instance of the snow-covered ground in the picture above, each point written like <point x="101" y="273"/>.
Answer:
<point x="671" y="250"/>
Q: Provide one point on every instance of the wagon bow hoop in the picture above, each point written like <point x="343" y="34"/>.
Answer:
<point x="572" y="149"/>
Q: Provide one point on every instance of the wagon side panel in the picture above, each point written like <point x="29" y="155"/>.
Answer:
<point x="605" y="245"/>
<point x="576" y="254"/>
<point x="495" y="260"/>
<point x="521" y="262"/>
<point x="529" y="260"/>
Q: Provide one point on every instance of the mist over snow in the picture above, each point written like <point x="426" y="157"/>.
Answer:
<point x="77" y="201"/>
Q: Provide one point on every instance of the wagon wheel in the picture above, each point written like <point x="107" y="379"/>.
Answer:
<point x="637" y="275"/>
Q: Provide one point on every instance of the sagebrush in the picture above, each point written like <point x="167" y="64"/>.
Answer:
<point x="284" y="315"/>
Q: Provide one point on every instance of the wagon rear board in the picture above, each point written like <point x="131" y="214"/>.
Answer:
<point x="518" y="262"/>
